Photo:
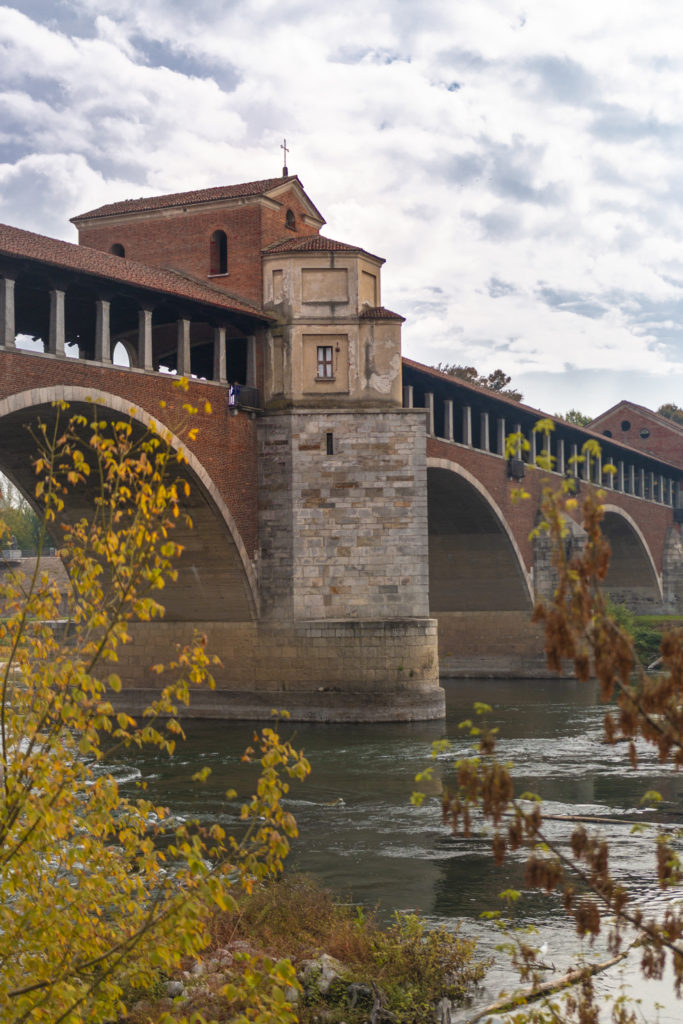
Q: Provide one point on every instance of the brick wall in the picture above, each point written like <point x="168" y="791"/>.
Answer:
<point x="663" y="439"/>
<point x="179" y="238"/>
<point x="653" y="520"/>
<point x="225" y="445"/>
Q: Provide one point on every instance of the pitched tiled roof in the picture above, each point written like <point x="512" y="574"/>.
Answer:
<point x="380" y="313"/>
<point x="28" y="245"/>
<point x="202" y="195"/>
<point x="650" y="413"/>
<point x="315" y="243"/>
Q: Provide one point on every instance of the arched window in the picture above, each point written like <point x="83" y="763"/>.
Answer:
<point x="218" y="253"/>
<point x="290" y="220"/>
<point x="117" y="249"/>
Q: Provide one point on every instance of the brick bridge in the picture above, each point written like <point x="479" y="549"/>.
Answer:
<point x="484" y="571"/>
<point x="354" y="527"/>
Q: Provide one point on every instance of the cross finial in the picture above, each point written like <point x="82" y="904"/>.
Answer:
<point x="283" y="146"/>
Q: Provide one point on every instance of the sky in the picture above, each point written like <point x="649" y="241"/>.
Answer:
<point x="519" y="165"/>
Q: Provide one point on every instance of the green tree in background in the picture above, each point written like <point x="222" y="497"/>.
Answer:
<point x="497" y="380"/>
<point x="672" y="412"/>
<point x="579" y="419"/>
<point x="21" y="521"/>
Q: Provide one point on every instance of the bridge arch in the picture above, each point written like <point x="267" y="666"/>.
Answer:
<point x="632" y="578"/>
<point x="216" y="580"/>
<point x="475" y="563"/>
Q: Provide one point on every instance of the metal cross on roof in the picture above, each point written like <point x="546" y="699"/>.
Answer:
<point x="285" y="172"/>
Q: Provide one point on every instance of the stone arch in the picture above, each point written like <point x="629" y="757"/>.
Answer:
<point x="475" y="561"/>
<point x="208" y="506"/>
<point x="632" y="578"/>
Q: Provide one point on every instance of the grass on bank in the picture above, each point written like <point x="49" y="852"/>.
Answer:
<point x="408" y="965"/>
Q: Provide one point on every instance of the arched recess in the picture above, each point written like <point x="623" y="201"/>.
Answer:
<point x="632" y="578"/>
<point x="474" y="560"/>
<point x="216" y="581"/>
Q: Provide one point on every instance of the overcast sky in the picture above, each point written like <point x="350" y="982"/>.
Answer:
<point x="519" y="165"/>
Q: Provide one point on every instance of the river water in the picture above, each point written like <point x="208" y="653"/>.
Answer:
<point x="361" y="837"/>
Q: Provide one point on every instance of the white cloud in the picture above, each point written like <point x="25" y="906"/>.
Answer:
<point x="470" y="143"/>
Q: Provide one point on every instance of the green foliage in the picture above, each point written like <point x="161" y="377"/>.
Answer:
<point x="415" y="967"/>
<point x="22" y="523"/>
<point x="410" y="966"/>
<point x="574" y="416"/>
<point x="646" y="639"/>
<point x="497" y="380"/>
<point x="671" y="411"/>
<point x="99" y="893"/>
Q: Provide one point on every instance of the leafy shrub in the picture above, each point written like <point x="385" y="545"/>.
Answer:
<point x="407" y="965"/>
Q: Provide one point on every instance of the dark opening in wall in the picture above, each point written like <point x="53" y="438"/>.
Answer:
<point x="117" y="249"/>
<point x="330" y="443"/>
<point x="218" y="253"/>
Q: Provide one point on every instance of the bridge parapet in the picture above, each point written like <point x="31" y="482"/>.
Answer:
<point x="471" y="417"/>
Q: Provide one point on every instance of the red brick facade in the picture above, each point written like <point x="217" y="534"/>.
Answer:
<point x="491" y="471"/>
<point x="179" y="238"/>
<point x="642" y="429"/>
<point x="225" y="446"/>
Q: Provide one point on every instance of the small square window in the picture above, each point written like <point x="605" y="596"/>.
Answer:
<point x="325" y="363"/>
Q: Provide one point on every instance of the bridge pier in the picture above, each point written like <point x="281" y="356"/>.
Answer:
<point x="326" y="670"/>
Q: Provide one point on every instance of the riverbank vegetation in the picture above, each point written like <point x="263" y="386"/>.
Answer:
<point x="348" y="967"/>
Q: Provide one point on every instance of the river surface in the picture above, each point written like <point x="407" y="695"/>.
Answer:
<point x="360" y="836"/>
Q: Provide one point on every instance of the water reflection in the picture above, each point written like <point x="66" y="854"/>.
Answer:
<point x="360" y="835"/>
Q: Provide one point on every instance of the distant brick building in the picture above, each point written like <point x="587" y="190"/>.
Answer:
<point x="642" y="429"/>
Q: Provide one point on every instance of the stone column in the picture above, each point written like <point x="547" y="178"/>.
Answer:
<point x="7" y="321"/>
<point x="145" y="339"/>
<point x="183" y="359"/>
<point x="672" y="571"/>
<point x="56" y="338"/>
<point x="448" y="419"/>
<point x="651" y="481"/>
<point x="429" y="406"/>
<point x="500" y="437"/>
<point x="632" y="479"/>
<point x="574" y="466"/>
<point x="251" y="361"/>
<point x="219" y="371"/>
<point x="408" y="400"/>
<point x="641" y="483"/>
<point x="620" y="476"/>
<point x="484" y="440"/>
<point x="532" y="448"/>
<point x="467" y="425"/>
<point x="102" y="332"/>
<point x="559" y="466"/>
<point x="662" y="493"/>
<point x="598" y="470"/>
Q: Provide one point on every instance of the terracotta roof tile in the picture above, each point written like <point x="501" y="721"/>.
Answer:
<point x="28" y="245"/>
<point x="202" y="195"/>
<point x="315" y="243"/>
<point x="380" y="313"/>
